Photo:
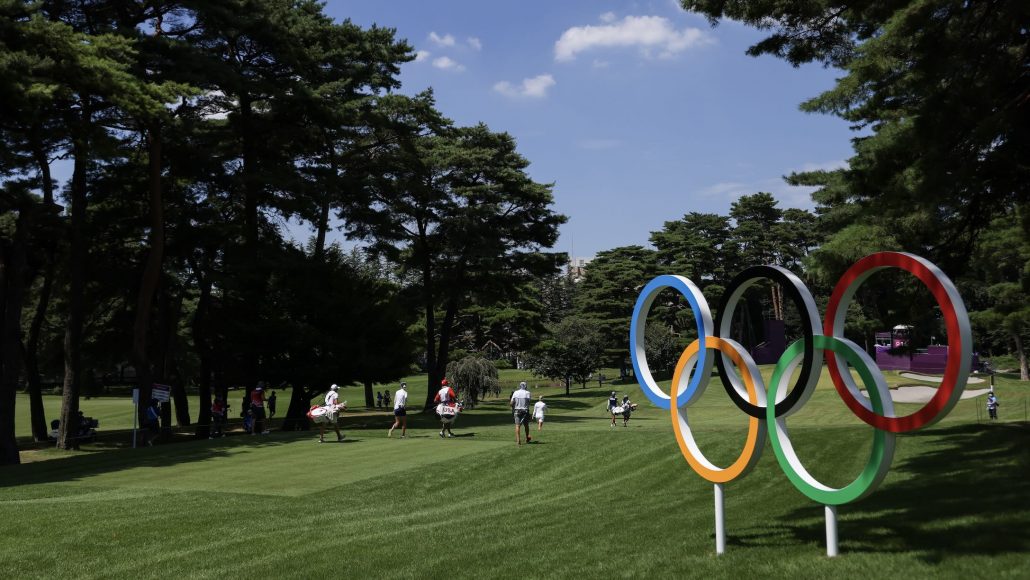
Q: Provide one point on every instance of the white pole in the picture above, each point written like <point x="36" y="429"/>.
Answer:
<point x="135" y="414"/>
<point x="720" y="521"/>
<point x="831" y="531"/>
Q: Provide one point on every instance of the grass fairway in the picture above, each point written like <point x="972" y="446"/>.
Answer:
<point x="586" y="501"/>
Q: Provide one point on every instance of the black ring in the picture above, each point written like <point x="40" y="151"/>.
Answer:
<point x="794" y="288"/>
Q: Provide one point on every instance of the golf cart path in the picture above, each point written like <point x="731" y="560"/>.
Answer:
<point x="931" y="379"/>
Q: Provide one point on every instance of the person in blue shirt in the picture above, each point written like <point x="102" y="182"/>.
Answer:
<point x="992" y="406"/>
<point x="613" y="402"/>
<point x="152" y="421"/>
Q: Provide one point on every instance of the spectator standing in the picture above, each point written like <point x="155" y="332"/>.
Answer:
<point x="379" y="399"/>
<point x="400" y="412"/>
<point x="218" y="412"/>
<point x="271" y="407"/>
<point x="257" y="406"/>
<point x="386" y="399"/>
<point x="152" y="421"/>
<point x="992" y="406"/>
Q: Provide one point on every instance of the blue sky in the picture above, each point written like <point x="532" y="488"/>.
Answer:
<point x="639" y="112"/>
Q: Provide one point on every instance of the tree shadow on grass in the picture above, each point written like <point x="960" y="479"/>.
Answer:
<point x="87" y="464"/>
<point x="966" y="492"/>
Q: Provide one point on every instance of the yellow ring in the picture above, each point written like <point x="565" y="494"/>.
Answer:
<point x="756" y="430"/>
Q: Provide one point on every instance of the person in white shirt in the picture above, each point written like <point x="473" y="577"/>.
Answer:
<point x="333" y="407"/>
<point x="400" y="413"/>
<point x="538" y="413"/>
<point x="520" y="409"/>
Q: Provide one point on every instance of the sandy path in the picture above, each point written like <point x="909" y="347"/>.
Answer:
<point x="921" y="394"/>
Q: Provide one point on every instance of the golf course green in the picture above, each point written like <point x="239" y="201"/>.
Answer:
<point x="584" y="499"/>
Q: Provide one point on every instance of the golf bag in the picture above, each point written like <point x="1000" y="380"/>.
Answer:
<point x="324" y="415"/>
<point x="448" y="413"/>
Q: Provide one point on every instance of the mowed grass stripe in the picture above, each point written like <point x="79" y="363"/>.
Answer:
<point x="615" y="503"/>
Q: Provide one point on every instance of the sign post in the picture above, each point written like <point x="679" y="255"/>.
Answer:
<point x="135" y="414"/>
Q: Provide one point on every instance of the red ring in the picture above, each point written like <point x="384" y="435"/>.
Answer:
<point x="931" y="411"/>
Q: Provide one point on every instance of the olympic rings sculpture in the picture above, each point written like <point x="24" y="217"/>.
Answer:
<point x="768" y="411"/>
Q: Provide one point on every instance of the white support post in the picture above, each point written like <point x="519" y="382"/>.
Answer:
<point x="720" y="521"/>
<point x="831" y="531"/>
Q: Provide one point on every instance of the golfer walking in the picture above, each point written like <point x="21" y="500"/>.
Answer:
<point x="520" y="409"/>
<point x="538" y="413"/>
<point x="400" y="413"/>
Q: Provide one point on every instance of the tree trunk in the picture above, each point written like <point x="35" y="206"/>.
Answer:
<point x="429" y="303"/>
<point x="151" y="274"/>
<point x="200" y="341"/>
<point x="296" y="415"/>
<point x="12" y="288"/>
<point x="322" y="227"/>
<point x="369" y="399"/>
<point x="78" y="254"/>
<point x="170" y="309"/>
<point x="1024" y="370"/>
<point x="568" y="385"/>
<point x="37" y="415"/>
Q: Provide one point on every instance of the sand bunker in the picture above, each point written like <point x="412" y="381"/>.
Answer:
<point x="932" y="379"/>
<point x="922" y="394"/>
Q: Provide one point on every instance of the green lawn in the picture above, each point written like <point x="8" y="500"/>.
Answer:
<point x="585" y="501"/>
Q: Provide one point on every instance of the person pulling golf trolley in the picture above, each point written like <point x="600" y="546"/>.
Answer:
<point x="328" y="414"/>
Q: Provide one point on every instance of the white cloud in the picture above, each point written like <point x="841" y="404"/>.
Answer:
<point x="600" y="63"/>
<point x="787" y="195"/>
<point x="475" y="43"/>
<point x="598" y="144"/>
<point x="446" y="63"/>
<point x="608" y="17"/>
<point x="421" y="55"/>
<point x="646" y="33"/>
<point x="535" y="87"/>
<point x="445" y="40"/>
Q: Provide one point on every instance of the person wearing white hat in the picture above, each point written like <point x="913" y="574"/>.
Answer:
<point x="400" y="412"/>
<point x="333" y="406"/>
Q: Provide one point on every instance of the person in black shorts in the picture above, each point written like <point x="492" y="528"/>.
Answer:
<point x="520" y="410"/>
<point x="400" y="413"/>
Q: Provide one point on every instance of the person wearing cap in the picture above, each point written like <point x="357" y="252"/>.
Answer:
<point x="400" y="413"/>
<point x="257" y="405"/>
<point x="627" y="410"/>
<point x="333" y="406"/>
<point x="445" y="396"/>
<point x="520" y="410"/>
<point x="613" y="401"/>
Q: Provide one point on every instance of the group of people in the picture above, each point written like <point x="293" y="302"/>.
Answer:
<point x="383" y="399"/>
<point x="624" y="410"/>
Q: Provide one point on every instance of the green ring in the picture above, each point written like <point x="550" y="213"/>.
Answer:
<point x="883" y="442"/>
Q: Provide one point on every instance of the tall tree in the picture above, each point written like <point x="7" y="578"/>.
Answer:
<point x="939" y="89"/>
<point x="609" y="290"/>
<point x="455" y="207"/>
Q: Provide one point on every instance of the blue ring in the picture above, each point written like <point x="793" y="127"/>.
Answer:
<point x="651" y="289"/>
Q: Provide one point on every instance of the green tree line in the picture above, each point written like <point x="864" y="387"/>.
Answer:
<point x="195" y="132"/>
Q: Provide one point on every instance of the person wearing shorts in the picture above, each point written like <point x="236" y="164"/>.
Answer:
<point x="538" y="413"/>
<point x="400" y="413"/>
<point x="520" y="410"/>
<point x="333" y="406"/>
